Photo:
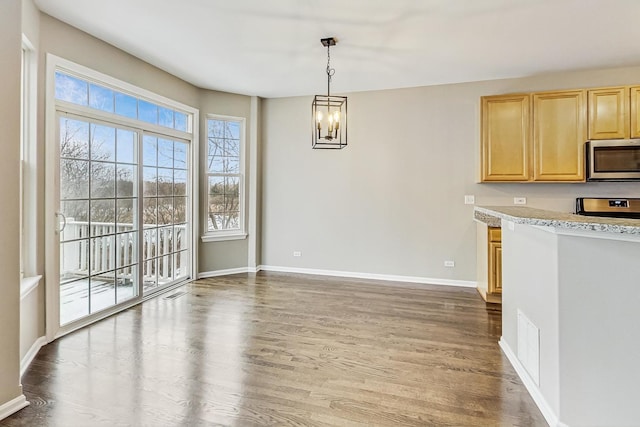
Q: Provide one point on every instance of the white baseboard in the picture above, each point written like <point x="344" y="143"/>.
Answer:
<point x="226" y="272"/>
<point x="548" y="413"/>
<point x="31" y="354"/>
<point x="372" y="276"/>
<point x="13" y="406"/>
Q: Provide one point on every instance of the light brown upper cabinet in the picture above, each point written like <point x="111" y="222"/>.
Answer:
<point x="559" y="134"/>
<point x="609" y="113"/>
<point x="505" y="138"/>
<point x="635" y="112"/>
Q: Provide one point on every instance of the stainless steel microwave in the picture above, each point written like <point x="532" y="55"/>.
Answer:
<point x="613" y="160"/>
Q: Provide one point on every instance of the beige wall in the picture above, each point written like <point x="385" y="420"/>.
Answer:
<point x="224" y="255"/>
<point x="392" y="201"/>
<point x="10" y="66"/>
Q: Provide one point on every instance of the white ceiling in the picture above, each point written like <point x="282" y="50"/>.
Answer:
<point x="271" y="48"/>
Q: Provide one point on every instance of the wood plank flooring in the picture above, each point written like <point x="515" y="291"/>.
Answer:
<point x="285" y="350"/>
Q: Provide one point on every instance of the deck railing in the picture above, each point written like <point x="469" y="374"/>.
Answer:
<point x="112" y="249"/>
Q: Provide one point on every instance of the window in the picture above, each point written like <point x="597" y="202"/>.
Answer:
<point x="224" y="174"/>
<point x="121" y="179"/>
<point x="28" y="168"/>
<point x="79" y="91"/>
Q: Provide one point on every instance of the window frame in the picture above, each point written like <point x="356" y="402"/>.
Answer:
<point x="29" y="277"/>
<point x="54" y="107"/>
<point x="241" y="232"/>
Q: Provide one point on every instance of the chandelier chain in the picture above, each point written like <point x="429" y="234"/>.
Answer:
<point x="330" y="71"/>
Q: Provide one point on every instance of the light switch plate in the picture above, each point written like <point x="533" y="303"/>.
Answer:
<point x="519" y="200"/>
<point x="469" y="199"/>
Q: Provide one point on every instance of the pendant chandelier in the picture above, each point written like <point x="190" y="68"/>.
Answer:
<point x="329" y="112"/>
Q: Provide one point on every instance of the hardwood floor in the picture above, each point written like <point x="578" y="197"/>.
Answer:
<point x="286" y="350"/>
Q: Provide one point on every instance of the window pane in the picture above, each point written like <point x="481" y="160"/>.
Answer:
<point x="126" y="214"/>
<point x="180" y="155"/>
<point x="150" y="181"/>
<point x="180" y="237"/>
<point x="74" y="260"/>
<point x="103" y="180"/>
<point x="165" y="117"/>
<point x="77" y="219"/>
<point x="71" y="89"/>
<point x="102" y="254"/>
<point x="180" y="209"/>
<point x="101" y="98"/>
<point x="74" y="139"/>
<point x="232" y="194"/>
<point x="181" y="264"/>
<point x="215" y="128"/>
<point x="74" y="301"/>
<point x="180" y="121"/>
<point x="149" y="215"/>
<point x="125" y="283"/>
<point x="232" y="148"/>
<point x="126" y="106"/>
<point x="103" y="291"/>
<point x="103" y="143"/>
<point x="126" y="146"/>
<point x="165" y="182"/>
<point x="126" y="249"/>
<point x="102" y="214"/>
<point x="74" y="179"/>
<point x="149" y="247"/>
<point x="150" y="150"/>
<point x="165" y="273"/>
<point x="126" y="180"/>
<point x="147" y="112"/>
<point x="165" y="153"/>
<point x="165" y="240"/>
<point x="165" y="210"/>
<point x="232" y="130"/>
<point x="180" y="182"/>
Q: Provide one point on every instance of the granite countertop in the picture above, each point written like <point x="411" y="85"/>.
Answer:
<point x="492" y="215"/>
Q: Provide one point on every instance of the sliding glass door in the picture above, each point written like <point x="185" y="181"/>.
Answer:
<point x="98" y="217"/>
<point x="119" y="194"/>
<point x="114" y="244"/>
<point x="165" y="247"/>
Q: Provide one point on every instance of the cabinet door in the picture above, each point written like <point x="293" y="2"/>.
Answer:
<point x="635" y="112"/>
<point x="495" y="268"/>
<point x="495" y="260"/>
<point x="559" y="134"/>
<point x="505" y="138"/>
<point x="608" y="113"/>
<point x="498" y="270"/>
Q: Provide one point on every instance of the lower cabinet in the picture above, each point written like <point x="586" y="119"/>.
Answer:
<point x="489" y="263"/>
<point x="495" y="261"/>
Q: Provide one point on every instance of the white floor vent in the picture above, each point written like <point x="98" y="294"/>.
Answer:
<point x="529" y="346"/>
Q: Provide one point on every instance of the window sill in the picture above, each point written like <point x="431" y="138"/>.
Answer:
<point x="222" y="237"/>
<point x="28" y="284"/>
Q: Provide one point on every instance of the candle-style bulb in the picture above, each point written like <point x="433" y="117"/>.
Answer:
<point x="319" y="116"/>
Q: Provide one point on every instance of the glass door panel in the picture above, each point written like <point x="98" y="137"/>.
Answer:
<point x="164" y="217"/>
<point x="98" y="202"/>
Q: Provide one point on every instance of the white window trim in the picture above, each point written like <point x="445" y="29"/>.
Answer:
<point x="224" y="235"/>
<point x="52" y="106"/>
<point x="29" y="168"/>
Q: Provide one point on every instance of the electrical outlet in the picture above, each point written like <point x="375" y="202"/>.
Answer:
<point x="469" y="199"/>
<point x="449" y="264"/>
<point x="297" y="253"/>
<point x="519" y="200"/>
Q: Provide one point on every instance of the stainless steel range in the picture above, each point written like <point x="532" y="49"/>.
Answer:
<point x="617" y="208"/>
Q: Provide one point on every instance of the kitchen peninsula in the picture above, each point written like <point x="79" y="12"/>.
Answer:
<point x="571" y="312"/>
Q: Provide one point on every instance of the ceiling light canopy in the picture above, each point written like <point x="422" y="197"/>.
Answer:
<point x="329" y="112"/>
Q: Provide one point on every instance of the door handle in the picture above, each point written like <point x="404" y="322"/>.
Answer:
<point x="64" y="222"/>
